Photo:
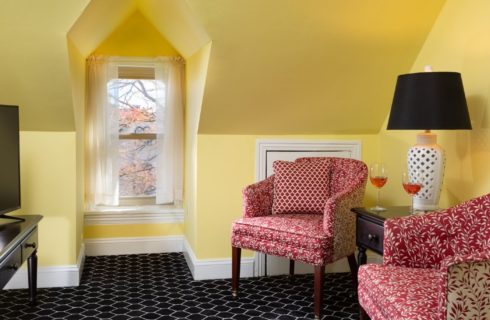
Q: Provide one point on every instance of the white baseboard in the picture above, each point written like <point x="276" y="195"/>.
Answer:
<point x="137" y="245"/>
<point x="206" y="269"/>
<point x="49" y="277"/>
<point x="201" y="269"/>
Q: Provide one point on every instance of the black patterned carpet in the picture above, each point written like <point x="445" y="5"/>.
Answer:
<point x="160" y="286"/>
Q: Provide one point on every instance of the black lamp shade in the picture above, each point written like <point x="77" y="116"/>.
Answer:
<point x="429" y="101"/>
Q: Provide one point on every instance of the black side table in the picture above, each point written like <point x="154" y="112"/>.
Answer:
<point x="18" y="243"/>
<point x="370" y="228"/>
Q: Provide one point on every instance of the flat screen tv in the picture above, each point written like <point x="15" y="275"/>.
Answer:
<point x="9" y="160"/>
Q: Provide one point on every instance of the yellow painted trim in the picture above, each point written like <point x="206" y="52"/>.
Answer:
<point x="135" y="230"/>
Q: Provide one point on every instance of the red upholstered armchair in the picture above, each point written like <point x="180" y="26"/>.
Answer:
<point x="435" y="266"/>
<point x="302" y="212"/>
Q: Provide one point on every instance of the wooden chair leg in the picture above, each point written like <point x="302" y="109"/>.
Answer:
<point x="319" y="279"/>
<point x="353" y="269"/>
<point x="362" y="314"/>
<point x="291" y="270"/>
<point x="236" y="254"/>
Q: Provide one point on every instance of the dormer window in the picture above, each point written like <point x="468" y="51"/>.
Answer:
<point x="134" y="132"/>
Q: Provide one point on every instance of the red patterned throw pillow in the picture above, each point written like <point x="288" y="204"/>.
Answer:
<point x="301" y="187"/>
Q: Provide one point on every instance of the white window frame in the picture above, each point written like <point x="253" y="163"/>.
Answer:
<point x="135" y="75"/>
<point x="141" y="213"/>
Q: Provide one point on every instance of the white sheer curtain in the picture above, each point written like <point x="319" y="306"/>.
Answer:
<point x="102" y="135"/>
<point x="169" y="71"/>
<point x="102" y="130"/>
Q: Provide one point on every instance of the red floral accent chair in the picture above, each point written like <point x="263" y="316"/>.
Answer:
<point x="302" y="212"/>
<point x="435" y="266"/>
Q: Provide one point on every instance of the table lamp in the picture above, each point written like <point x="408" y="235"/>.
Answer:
<point x="428" y="101"/>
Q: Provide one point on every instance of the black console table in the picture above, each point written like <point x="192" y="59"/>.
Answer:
<point x="18" y="243"/>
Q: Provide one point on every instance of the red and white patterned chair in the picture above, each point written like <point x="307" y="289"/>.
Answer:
<point x="302" y="212"/>
<point x="435" y="266"/>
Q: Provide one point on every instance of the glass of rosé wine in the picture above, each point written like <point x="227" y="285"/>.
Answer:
<point x="378" y="176"/>
<point x="412" y="183"/>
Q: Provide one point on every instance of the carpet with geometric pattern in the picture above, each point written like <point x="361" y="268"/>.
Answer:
<point x="160" y="286"/>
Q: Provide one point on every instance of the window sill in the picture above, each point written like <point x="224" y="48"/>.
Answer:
<point x="135" y="215"/>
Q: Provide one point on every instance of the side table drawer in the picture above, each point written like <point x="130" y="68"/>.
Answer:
<point x="9" y="266"/>
<point x="370" y="235"/>
<point x="29" y="245"/>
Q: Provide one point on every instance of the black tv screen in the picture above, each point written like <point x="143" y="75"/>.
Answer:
<point x="9" y="159"/>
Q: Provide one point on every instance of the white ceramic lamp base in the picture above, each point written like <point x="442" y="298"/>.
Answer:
<point x="429" y="157"/>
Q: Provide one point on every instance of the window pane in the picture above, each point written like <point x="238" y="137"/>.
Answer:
<point x="136" y="101"/>
<point x="137" y="167"/>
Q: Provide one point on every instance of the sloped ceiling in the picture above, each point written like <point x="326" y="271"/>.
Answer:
<point x="276" y="66"/>
<point x="309" y="66"/>
<point x="33" y="61"/>
<point x="98" y="21"/>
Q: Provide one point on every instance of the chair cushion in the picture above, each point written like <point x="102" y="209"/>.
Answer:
<point x="294" y="236"/>
<point x="301" y="187"/>
<point x="395" y="293"/>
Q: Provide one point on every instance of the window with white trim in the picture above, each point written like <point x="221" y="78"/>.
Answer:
<point x="134" y="129"/>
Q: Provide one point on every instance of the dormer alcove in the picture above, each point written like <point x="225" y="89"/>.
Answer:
<point x="139" y="28"/>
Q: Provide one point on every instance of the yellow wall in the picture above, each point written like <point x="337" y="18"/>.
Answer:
<point x="48" y="186"/>
<point x="77" y="77"/>
<point x="196" y="71"/>
<point x="457" y="42"/>
<point x="225" y="164"/>
<point x="136" y="37"/>
<point x="135" y="230"/>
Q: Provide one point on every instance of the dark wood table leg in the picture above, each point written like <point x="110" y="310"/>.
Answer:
<point x="362" y="257"/>
<point x="32" y="276"/>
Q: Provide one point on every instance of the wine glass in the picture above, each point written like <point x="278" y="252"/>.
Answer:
<point x="378" y="176"/>
<point x="412" y="183"/>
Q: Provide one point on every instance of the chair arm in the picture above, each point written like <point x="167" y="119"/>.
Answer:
<point x="257" y="198"/>
<point x="423" y="241"/>
<point x="339" y="221"/>
<point x="465" y="286"/>
<point x="419" y="241"/>
<point x="474" y="257"/>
